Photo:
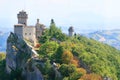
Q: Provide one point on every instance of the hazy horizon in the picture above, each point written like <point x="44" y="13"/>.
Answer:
<point x="82" y="15"/>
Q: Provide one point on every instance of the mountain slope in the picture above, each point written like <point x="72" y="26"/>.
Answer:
<point x="78" y="57"/>
<point x="70" y="58"/>
<point x="111" y="37"/>
<point x="94" y="57"/>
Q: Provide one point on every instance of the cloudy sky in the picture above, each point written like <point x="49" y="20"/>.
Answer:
<point x="82" y="14"/>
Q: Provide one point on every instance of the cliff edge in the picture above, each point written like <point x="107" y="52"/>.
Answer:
<point x="19" y="59"/>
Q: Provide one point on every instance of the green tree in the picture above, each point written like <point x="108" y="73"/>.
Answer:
<point x="67" y="56"/>
<point x="67" y="70"/>
<point x="45" y="37"/>
<point x="58" y="55"/>
<point x="48" y="49"/>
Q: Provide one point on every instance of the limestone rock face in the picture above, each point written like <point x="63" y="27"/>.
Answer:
<point x="33" y="73"/>
<point x="19" y="56"/>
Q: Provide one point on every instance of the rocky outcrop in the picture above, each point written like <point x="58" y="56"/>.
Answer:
<point x="58" y="75"/>
<point x="31" y="72"/>
<point x="19" y="56"/>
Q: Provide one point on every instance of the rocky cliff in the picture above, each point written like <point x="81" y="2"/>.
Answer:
<point x="19" y="56"/>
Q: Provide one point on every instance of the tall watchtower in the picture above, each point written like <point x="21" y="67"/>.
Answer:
<point x="22" y="17"/>
<point x="71" y="31"/>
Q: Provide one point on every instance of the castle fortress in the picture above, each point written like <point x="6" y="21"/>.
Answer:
<point x="30" y="33"/>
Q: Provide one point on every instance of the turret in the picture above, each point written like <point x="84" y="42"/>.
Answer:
<point x="22" y="17"/>
<point x="71" y="31"/>
<point x="39" y="29"/>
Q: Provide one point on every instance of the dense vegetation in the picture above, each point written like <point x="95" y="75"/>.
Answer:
<point x="76" y="57"/>
<point x="71" y="58"/>
<point x="3" y="75"/>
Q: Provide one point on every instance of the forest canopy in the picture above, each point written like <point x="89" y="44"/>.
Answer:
<point x="79" y="57"/>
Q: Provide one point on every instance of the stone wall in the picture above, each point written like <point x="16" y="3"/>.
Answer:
<point x="18" y="29"/>
<point x="29" y="33"/>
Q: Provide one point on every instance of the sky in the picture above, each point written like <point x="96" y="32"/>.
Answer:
<point x="81" y="14"/>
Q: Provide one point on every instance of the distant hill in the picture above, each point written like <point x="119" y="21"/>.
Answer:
<point x="3" y="38"/>
<point x="111" y="37"/>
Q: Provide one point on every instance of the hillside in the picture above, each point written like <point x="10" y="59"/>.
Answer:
<point x="61" y="58"/>
<point x="78" y="57"/>
<point x="111" y="37"/>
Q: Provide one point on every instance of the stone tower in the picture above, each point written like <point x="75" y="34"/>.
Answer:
<point x="71" y="31"/>
<point x="22" y="22"/>
<point x="26" y="32"/>
<point x="39" y="29"/>
<point x="22" y="17"/>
